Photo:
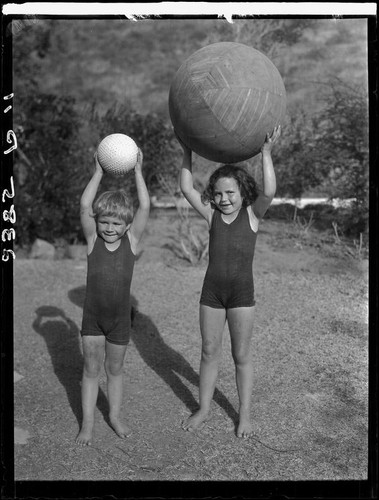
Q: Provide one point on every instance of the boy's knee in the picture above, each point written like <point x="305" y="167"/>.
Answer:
<point x="114" y="368"/>
<point x="92" y="369"/>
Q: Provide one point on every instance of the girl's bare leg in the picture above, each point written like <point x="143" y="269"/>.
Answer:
<point x="93" y="352"/>
<point x="114" y="363"/>
<point x="212" y="322"/>
<point x="240" y="321"/>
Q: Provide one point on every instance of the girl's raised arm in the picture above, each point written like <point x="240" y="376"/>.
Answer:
<point x="142" y="214"/>
<point x="186" y="185"/>
<point x="266" y="196"/>
<point x="86" y="215"/>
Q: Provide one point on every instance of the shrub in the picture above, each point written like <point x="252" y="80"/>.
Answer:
<point x="342" y="131"/>
<point x="328" y="151"/>
<point x="49" y="169"/>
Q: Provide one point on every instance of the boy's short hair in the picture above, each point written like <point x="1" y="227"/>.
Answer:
<point x="114" y="204"/>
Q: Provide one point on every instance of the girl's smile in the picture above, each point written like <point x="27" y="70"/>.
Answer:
<point x="227" y="196"/>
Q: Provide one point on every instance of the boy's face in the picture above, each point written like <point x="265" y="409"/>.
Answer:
<point x="111" y="228"/>
<point x="227" y="196"/>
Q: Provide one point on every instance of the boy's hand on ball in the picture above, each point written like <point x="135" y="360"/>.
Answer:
<point x="98" y="167"/>
<point x="138" y="166"/>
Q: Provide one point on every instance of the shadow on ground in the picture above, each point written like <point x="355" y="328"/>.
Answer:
<point x="62" y="339"/>
<point x="161" y="358"/>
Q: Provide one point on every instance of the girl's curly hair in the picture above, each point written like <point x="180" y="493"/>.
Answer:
<point x="114" y="204"/>
<point x="245" y="181"/>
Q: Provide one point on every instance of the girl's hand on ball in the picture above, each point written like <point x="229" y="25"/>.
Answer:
<point x="185" y="148"/>
<point x="276" y="133"/>
<point x="271" y="139"/>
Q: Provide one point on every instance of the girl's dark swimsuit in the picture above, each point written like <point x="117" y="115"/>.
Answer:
<point x="107" y="304"/>
<point x="228" y="282"/>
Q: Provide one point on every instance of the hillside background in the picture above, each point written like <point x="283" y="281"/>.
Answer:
<point x="78" y="80"/>
<point x="117" y="60"/>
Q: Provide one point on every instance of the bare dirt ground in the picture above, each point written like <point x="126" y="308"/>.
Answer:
<point x="310" y="398"/>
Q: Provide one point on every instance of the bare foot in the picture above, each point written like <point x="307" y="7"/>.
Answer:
<point x="195" y="421"/>
<point x="120" y="429"/>
<point x="84" y="437"/>
<point x="245" y="428"/>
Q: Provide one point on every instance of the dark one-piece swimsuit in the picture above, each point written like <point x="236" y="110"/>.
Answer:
<point x="107" y="304"/>
<point x="228" y="282"/>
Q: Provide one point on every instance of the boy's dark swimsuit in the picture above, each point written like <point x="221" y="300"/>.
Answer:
<point x="107" y="303"/>
<point x="228" y="282"/>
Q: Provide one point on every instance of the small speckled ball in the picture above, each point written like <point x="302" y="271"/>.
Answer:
<point x="224" y="99"/>
<point x="117" y="154"/>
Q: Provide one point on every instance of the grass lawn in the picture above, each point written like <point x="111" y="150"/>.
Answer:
<point x="310" y="396"/>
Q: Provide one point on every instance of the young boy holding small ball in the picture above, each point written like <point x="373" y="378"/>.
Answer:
<point x="112" y="234"/>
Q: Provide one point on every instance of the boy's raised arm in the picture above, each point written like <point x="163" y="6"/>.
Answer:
<point x="142" y="214"/>
<point x="86" y="216"/>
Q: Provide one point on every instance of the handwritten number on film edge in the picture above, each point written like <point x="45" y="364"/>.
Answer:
<point x="9" y="215"/>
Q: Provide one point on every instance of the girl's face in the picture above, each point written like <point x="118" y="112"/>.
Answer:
<point x="111" y="228"/>
<point x="227" y="196"/>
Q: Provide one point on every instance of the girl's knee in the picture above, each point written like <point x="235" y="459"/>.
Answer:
<point x="211" y="351"/>
<point x="241" y="356"/>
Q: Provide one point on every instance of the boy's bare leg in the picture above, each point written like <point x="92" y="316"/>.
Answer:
<point x="212" y="322"/>
<point x="114" y="364"/>
<point x="240" y="322"/>
<point x="93" y="352"/>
